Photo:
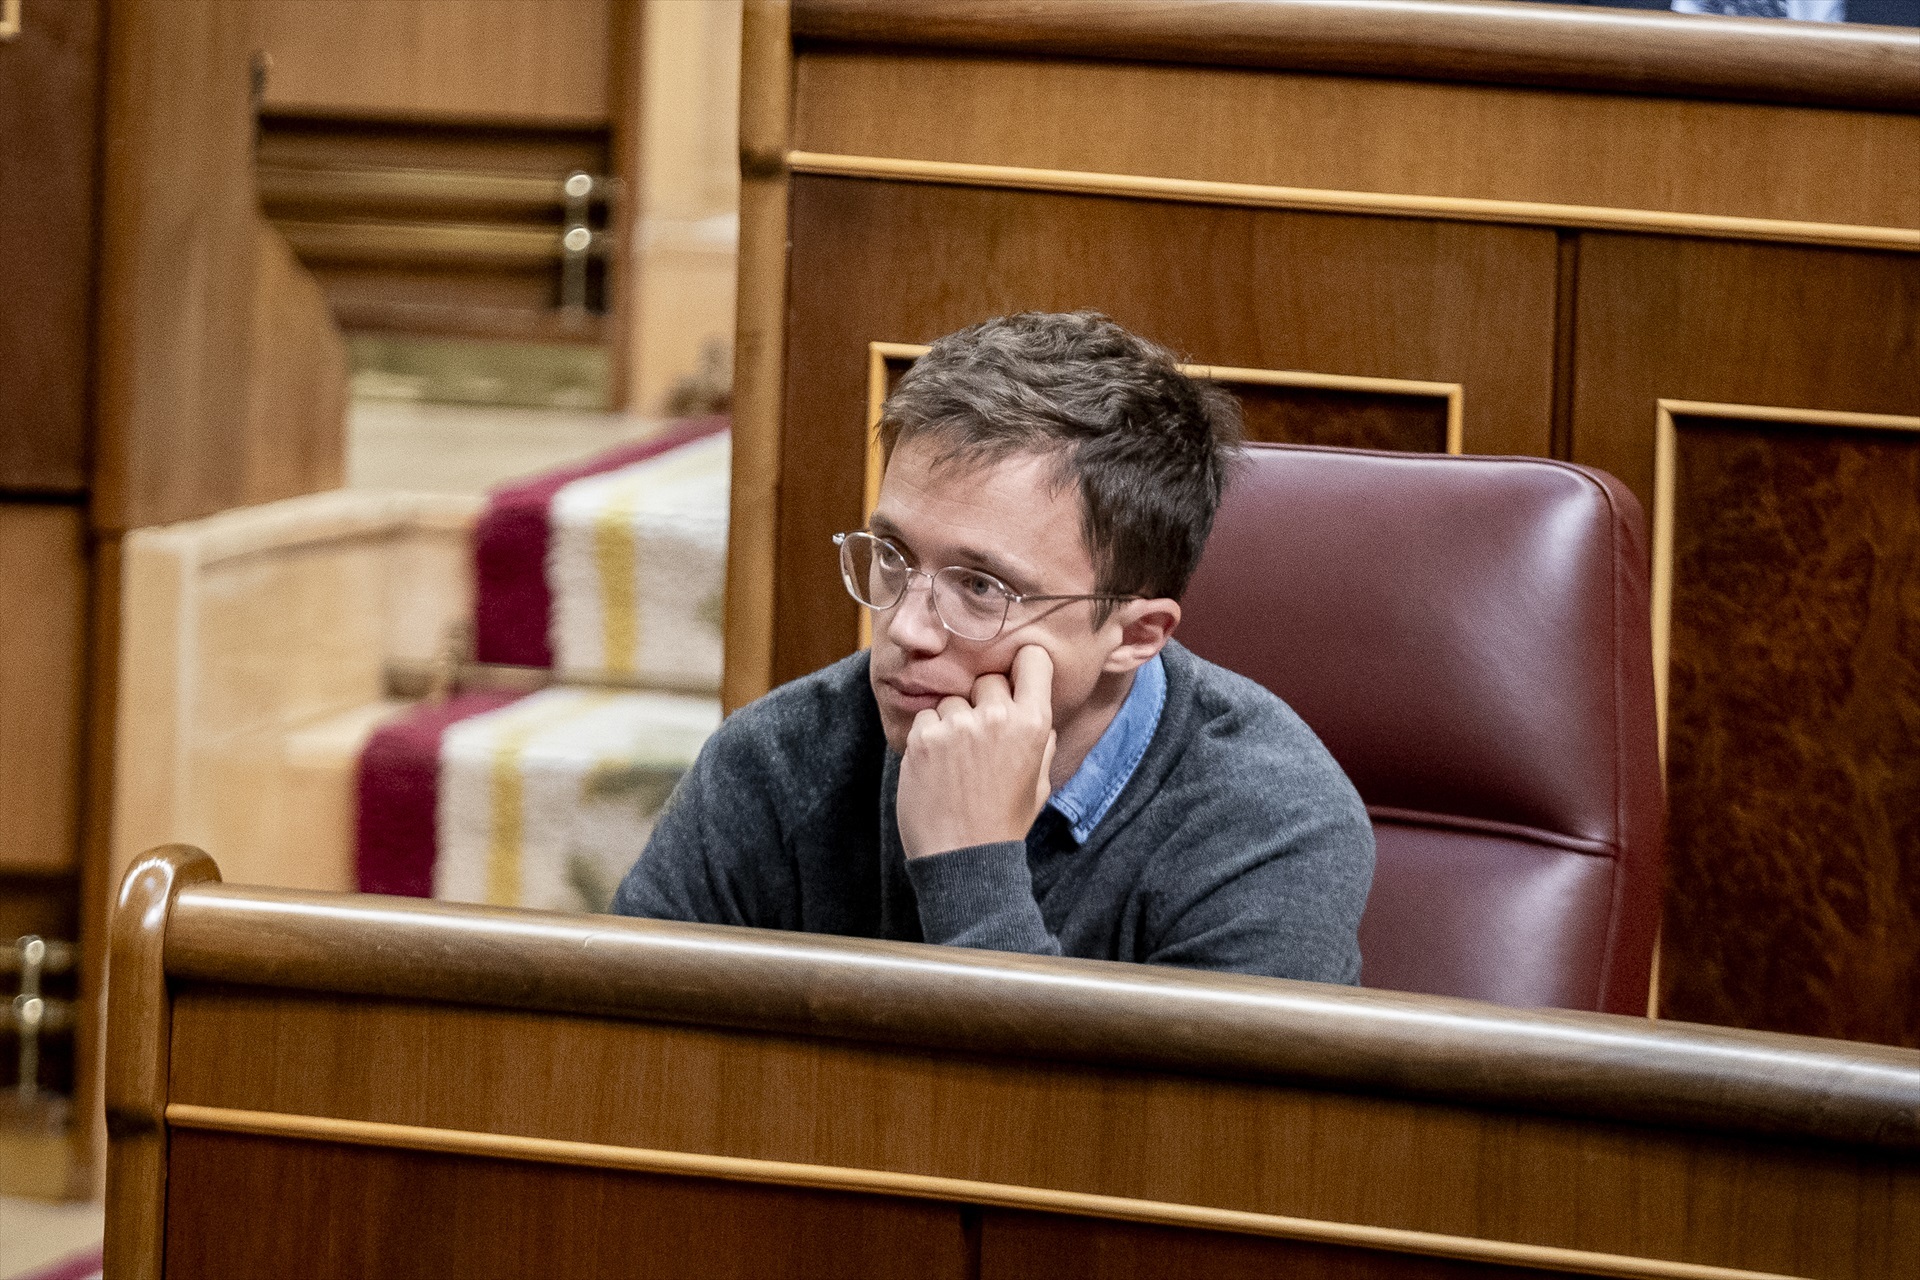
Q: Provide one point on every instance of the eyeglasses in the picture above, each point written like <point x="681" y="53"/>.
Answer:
<point x="971" y="603"/>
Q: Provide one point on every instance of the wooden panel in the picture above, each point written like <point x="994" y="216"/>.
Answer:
<point x="1733" y="323"/>
<point x="1315" y="1153"/>
<point x="176" y="263"/>
<point x="1349" y="419"/>
<point x="1628" y="53"/>
<point x="483" y="60"/>
<point x="1794" y="708"/>
<point x="1021" y="1246"/>
<point x="340" y="1211"/>
<point x="1249" y="289"/>
<point x="49" y="90"/>
<point x="1352" y="133"/>
<point x="297" y="382"/>
<point x="43" y="591"/>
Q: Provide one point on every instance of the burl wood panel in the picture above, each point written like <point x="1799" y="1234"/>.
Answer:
<point x="1276" y="414"/>
<point x="1354" y="133"/>
<point x="43" y="599"/>
<point x="1348" y="419"/>
<point x="240" y="1205"/>
<point x="1733" y="324"/>
<point x="877" y="261"/>
<point x="49" y="92"/>
<point x="1793" y="758"/>
<point x="1032" y="1246"/>
<point x="1803" y="1210"/>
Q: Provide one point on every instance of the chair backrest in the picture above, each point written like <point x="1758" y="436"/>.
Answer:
<point x="1470" y="638"/>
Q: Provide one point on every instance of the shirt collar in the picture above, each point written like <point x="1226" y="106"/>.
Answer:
<point x="1083" y="800"/>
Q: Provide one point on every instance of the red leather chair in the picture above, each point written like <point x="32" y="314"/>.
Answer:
<point x="1470" y="638"/>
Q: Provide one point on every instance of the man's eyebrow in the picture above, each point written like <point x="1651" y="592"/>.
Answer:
<point x="969" y="557"/>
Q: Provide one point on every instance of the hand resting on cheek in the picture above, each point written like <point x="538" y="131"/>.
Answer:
<point x="976" y="769"/>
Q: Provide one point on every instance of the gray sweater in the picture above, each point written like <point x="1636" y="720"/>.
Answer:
<point x="1238" y="844"/>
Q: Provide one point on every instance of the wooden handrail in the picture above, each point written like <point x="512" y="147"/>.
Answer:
<point x="1235" y="1026"/>
<point x="1486" y="41"/>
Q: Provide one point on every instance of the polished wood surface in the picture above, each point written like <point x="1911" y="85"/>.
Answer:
<point x="1793" y="550"/>
<point x="49" y="72"/>
<point x="1611" y="50"/>
<point x="1785" y="909"/>
<point x="296" y="410"/>
<point x="140" y="1031"/>
<point x="759" y="352"/>
<point x="43" y="594"/>
<point x="432" y="1216"/>
<point x="963" y="1193"/>
<point x="1262" y="289"/>
<point x="181" y="267"/>
<point x="469" y="60"/>
<point x="1363" y="135"/>
<point x="1264" y="196"/>
<point x="1400" y="1131"/>
<point x="1067" y="1010"/>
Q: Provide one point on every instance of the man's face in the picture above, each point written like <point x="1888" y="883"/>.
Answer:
<point x="1008" y="519"/>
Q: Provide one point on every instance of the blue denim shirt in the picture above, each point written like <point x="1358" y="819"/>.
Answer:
<point x="1085" y="797"/>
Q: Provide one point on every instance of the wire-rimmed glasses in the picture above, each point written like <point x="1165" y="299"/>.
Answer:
<point x="971" y="603"/>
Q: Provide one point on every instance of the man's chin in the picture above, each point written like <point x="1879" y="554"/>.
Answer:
<point x="894" y="722"/>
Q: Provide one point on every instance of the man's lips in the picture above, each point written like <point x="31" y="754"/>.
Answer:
<point x="913" y="697"/>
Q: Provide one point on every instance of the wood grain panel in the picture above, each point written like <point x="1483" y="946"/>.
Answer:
<point x="43" y="595"/>
<point x="478" y="60"/>
<point x="1249" y="289"/>
<point x="1354" y="133"/>
<point x="1736" y="324"/>
<point x="49" y="97"/>
<point x="1794" y="707"/>
<point x="1021" y="1246"/>
<point x="1790" y="1207"/>
<point x="296" y="429"/>
<point x="1480" y="43"/>
<point x="176" y="262"/>
<point x="340" y="1211"/>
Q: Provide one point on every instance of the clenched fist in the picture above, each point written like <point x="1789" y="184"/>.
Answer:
<point x="976" y="768"/>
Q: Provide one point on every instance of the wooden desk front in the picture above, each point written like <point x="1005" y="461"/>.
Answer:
<point x="310" y="1084"/>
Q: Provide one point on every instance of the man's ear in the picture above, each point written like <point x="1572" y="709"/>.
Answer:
<point x="1145" y="628"/>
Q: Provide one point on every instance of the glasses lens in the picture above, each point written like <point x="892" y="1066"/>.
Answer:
<point x="973" y="605"/>
<point x="873" y="570"/>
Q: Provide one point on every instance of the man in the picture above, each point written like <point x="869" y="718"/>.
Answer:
<point x="1024" y="761"/>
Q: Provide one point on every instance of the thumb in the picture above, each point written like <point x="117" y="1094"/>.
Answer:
<point x="1043" y="786"/>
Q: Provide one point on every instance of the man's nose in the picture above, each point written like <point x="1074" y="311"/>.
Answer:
<point x="912" y="623"/>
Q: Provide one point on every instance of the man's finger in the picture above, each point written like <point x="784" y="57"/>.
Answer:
<point x="1033" y="678"/>
<point x="992" y="687"/>
<point x="952" y="705"/>
<point x="1044" y="786"/>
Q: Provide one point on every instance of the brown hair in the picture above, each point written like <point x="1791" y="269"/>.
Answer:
<point x="1148" y="447"/>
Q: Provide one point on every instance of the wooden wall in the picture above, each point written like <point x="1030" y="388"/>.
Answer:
<point x="1703" y="223"/>
<point x="414" y="155"/>
<point x="647" y="1097"/>
<point x="162" y="358"/>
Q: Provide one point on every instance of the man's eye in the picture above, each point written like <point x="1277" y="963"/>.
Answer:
<point x="978" y="586"/>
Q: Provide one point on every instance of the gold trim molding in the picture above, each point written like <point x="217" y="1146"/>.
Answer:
<point x="915" y="1186"/>
<point x="879" y="353"/>
<point x="1665" y="446"/>
<point x="1446" y="208"/>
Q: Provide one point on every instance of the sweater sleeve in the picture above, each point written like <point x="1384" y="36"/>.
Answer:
<point x="981" y="896"/>
<point x="717" y="853"/>
<point x="1284" y="900"/>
